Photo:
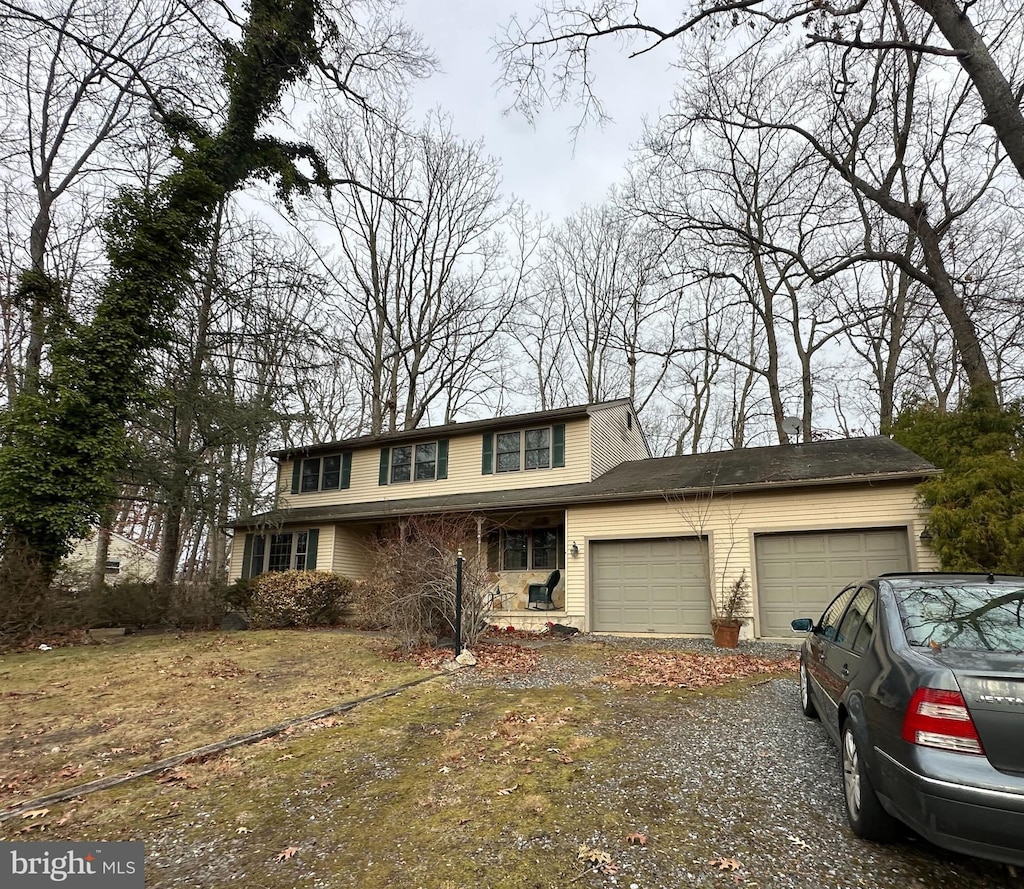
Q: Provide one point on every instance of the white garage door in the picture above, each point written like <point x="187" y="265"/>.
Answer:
<point x="799" y="574"/>
<point x="649" y="586"/>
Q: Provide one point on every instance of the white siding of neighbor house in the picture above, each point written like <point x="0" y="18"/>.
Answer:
<point x="612" y="441"/>
<point x="136" y="561"/>
<point x="732" y="521"/>
<point x="464" y="472"/>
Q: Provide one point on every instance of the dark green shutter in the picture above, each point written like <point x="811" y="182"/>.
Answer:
<point x="487" y="467"/>
<point x="312" y="536"/>
<point x="442" y="458"/>
<point x="346" y="469"/>
<point x="296" y="475"/>
<point x="558" y="444"/>
<point x="385" y="463"/>
<point x="247" y="557"/>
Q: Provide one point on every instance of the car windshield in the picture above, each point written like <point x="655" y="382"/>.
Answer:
<point x="973" y="616"/>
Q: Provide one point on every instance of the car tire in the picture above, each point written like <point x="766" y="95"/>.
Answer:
<point x="863" y="810"/>
<point x="806" y="704"/>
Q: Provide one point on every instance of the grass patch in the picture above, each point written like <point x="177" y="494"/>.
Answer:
<point x="75" y="714"/>
<point x="448" y="785"/>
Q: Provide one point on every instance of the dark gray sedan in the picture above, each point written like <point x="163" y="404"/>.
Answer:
<point x="919" y="679"/>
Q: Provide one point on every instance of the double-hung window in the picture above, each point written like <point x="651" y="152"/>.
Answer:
<point x="414" y="463"/>
<point x="417" y="462"/>
<point x="321" y="473"/>
<point x="524" y="449"/>
<point x="280" y="551"/>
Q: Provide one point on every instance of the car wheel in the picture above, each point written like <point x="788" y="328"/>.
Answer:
<point x="806" y="704"/>
<point x="863" y="810"/>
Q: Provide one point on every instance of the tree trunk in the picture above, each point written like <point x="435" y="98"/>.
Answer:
<point x="1001" y="103"/>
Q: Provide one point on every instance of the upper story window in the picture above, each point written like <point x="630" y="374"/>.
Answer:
<point x="321" y="473"/>
<point x="417" y="462"/>
<point x="524" y="449"/>
<point x="407" y="463"/>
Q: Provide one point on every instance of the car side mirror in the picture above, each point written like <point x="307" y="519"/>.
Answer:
<point x="802" y="625"/>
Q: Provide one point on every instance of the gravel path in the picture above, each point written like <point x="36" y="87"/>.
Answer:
<point x="748" y="780"/>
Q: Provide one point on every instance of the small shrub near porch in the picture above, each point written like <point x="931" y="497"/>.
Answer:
<point x="298" y="598"/>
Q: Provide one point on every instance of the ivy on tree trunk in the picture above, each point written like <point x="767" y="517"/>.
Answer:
<point x="61" y="448"/>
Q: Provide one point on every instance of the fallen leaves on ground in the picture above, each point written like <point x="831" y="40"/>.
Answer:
<point x="597" y="859"/>
<point x="636" y="839"/>
<point x="286" y="854"/>
<point x="691" y="670"/>
<point x="510" y="658"/>
<point x="725" y="863"/>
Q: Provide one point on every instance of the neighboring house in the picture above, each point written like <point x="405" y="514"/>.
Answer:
<point x="641" y="542"/>
<point x="126" y="560"/>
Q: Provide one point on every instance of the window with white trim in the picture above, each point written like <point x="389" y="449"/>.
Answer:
<point x="529" y="449"/>
<point x="280" y="551"/>
<point x="327" y="473"/>
<point x="413" y="463"/>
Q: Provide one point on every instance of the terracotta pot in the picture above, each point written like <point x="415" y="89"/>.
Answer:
<point x="726" y="632"/>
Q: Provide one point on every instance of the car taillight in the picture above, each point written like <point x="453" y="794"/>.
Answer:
<point x="939" y="718"/>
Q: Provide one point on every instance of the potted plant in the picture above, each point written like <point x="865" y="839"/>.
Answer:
<point x="731" y="610"/>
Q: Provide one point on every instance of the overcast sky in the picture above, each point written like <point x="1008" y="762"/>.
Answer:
<point x="539" y="164"/>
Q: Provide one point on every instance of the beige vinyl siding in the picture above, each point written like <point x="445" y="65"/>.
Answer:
<point x="612" y="441"/>
<point x="464" y="475"/>
<point x="324" y="547"/>
<point x="351" y="556"/>
<point x="730" y="522"/>
<point x="237" y="553"/>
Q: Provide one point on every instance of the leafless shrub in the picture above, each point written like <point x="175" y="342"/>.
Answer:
<point x="411" y="590"/>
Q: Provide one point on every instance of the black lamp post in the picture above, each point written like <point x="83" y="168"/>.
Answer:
<point x="458" y="603"/>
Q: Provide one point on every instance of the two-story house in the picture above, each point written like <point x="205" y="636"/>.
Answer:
<point x="642" y="544"/>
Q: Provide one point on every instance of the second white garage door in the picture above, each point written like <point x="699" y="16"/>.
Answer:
<point x="649" y="586"/>
<point x="799" y="574"/>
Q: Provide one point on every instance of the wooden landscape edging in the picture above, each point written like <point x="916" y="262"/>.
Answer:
<point x="201" y="753"/>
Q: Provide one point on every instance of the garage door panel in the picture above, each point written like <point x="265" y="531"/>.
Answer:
<point x="810" y="546"/>
<point x="657" y="585"/>
<point x="798" y="574"/>
<point x="885" y="544"/>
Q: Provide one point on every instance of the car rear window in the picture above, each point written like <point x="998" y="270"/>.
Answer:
<point x="976" y="616"/>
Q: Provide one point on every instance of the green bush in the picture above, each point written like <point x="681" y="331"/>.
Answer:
<point x="298" y="598"/>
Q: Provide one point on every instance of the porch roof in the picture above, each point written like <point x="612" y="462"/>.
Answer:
<point x="845" y="461"/>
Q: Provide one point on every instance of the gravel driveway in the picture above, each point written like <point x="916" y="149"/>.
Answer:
<point x="756" y="785"/>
